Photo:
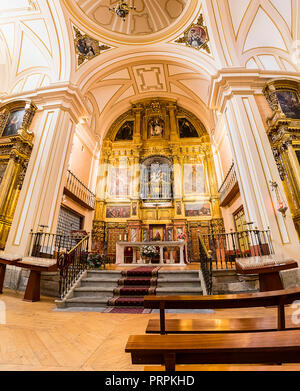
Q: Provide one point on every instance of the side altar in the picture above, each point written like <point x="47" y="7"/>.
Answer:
<point x="169" y="245"/>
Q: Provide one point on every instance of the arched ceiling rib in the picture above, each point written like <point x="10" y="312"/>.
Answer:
<point x="34" y="45"/>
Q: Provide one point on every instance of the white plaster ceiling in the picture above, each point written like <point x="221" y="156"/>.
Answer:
<point x="149" y="17"/>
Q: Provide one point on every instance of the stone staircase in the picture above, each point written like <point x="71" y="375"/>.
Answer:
<point x="95" y="287"/>
<point x="176" y="282"/>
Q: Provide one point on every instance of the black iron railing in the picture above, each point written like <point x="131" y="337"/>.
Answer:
<point x="228" y="184"/>
<point x="226" y="247"/>
<point x="71" y="265"/>
<point x="48" y="245"/>
<point x="206" y="265"/>
<point x="79" y="190"/>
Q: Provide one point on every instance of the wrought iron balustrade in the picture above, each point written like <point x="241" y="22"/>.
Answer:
<point x="206" y="265"/>
<point x="48" y="245"/>
<point x="71" y="265"/>
<point x="226" y="247"/>
<point x="229" y="187"/>
<point x="74" y="188"/>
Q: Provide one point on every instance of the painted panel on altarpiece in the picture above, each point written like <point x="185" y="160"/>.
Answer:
<point x="196" y="210"/>
<point x="194" y="179"/>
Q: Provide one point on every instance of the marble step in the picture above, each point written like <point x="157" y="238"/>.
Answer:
<point x="99" y="282"/>
<point x="104" y="274"/>
<point x="93" y="302"/>
<point x="184" y="283"/>
<point x="101" y="292"/>
<point x="178" y="291"/>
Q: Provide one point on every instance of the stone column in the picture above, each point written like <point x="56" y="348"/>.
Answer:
<point x="255" y="168"/>
<point x="40" y="198"/>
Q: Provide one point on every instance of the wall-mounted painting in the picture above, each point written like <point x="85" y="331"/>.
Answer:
<point x="13" y="123"/>
<point x="134" y="209"/>
<point x="119" y="185"/>
<point x="289" y="103"/>
<point x="156" y="127"/>
<point x="197" y="210"/>
<point x="125" y="132"/>
<point x="186" y="129"/>
<point x="194" y="179"/>
<point x="178" y="208"/>
<point x="158" y="233"/>
<point x="114" y="212"/>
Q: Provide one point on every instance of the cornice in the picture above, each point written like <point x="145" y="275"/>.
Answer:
<point x="240" y="81"/>
<point x="58" y="96"/>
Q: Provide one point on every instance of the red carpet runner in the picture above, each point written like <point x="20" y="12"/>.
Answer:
<point x="136" y="284"/>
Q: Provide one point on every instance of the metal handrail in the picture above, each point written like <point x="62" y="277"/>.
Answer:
<point x="79" y="189"/>
<point x="71" y="265"/>
<point x="206" y="265"/>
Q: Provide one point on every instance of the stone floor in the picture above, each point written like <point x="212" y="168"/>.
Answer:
<point x="35" y="337"/>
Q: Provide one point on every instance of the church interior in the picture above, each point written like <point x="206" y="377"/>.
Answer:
<point x="149" y="174"/>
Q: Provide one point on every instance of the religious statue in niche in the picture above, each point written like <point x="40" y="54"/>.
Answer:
<point x="155" y="127"/>
<point x="14" y="123"/>
<point x="86" y="47"/>
<point x="196" y="36"/>
<point x="125" y="132"/>
<point x="186" y="129"/>
<point x="289" y="103"/>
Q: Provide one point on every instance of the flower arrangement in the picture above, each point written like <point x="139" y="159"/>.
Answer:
<point x="181" y="236"/>
<point x="148" y="251"/>
<point x="96" y="261"/>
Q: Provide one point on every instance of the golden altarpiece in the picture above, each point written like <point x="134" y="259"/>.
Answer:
<point x="284" y="135"/>
<point x="157" y="178"/>
<point x="15" y="150"/>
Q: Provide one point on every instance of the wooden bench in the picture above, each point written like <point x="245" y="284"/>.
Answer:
<point x="36" y="266"/>
<point x="276" y="347"/>
<point x="192" y="326"/>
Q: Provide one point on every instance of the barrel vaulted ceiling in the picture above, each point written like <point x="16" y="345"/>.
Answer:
<point x="36" y="41"/>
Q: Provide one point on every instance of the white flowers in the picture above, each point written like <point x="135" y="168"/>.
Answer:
<point x="148" y="251"/>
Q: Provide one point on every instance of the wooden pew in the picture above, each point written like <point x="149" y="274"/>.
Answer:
<point x="36" y="266"/>
<point x="276" y="347"/>
<point x="261" y="299"/>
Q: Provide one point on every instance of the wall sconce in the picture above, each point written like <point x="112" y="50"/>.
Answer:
<point x="281" y="206"/>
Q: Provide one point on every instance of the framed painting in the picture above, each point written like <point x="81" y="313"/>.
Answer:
<point x="14" y="123"/>
<point x="289" y="103"/>
<point x="125" y="132"/>
<point x="194" y="179"/>
<point x="158" y="233"/>
<point x="197" y="210"/>
<point x="178" y="208"/>
<point x="119" y="186"/>
<point x="115" y="212"/>
<point x="134" y="209"/>
<point x="186" y="129"/>
<point x="156" y="127"/>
